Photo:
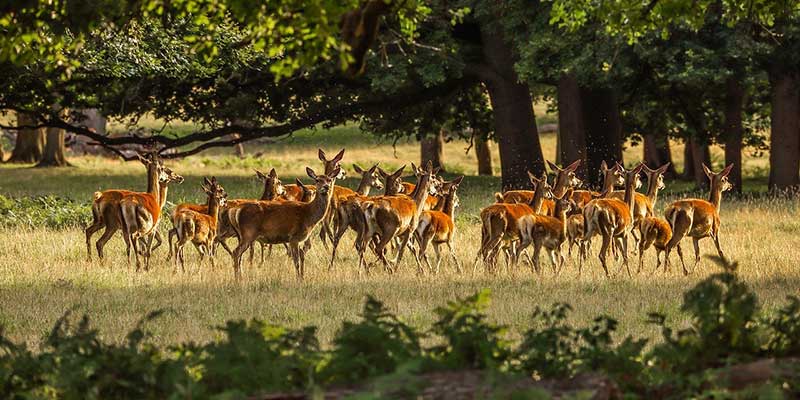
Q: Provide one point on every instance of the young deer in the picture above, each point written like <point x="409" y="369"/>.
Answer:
<point x="698" y="218"/>
<point x="655" y="231"/>
<point x="141" y="213"/>
<point x="438" y="227"/>
<point x="390" y="217"/>
<point x="348" y="212"/>
<point x="500" y="224"/>
<point x="613" y="219"/>
<point x="105" y="206"/>
<point x="200" y="228"/>
<point x="546" y="231"/>
<point x="565" y="179"/>
<point x="283" y="222"/>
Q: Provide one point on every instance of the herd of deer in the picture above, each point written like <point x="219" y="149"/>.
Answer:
<point x="415" y="216"/>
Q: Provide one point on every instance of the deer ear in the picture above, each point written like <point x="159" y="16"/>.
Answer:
<point x="458" y="180"/>
<point x="299" y="182"/>
<point x="727" y="170"/>
<point x="206" y="181"/>
<point x="574" y="166"/>
<point x="638" y="168"/>
<point x="662" y="169"/>
<point x="619" y="166"/>
<point x="272" y="173"/>
<point x="708" y="171"/>
<point x="552" y="166"/>
<point x="437" y="170"/>
<point x="414" y="167"/>
<point x="260" y="175"/>
<point x="533" y="177"/>
<point x="311" y="173"/>
<point x="400" y="171"/>
<point x="322" y="156"/>
<point x="429" y="166"/>
<point x="338" y="157"/>
<point x="383" y="173"/>
<point x="604" y="166"/>
<point x="373" y="168"/>
<point x="335" y="172"/>
<point x="358" y="169"/>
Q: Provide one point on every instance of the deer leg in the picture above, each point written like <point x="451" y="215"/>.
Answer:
<point x="170" y="235"/>
<point x="554" y="260"/>
<point x="438" y="257"/>
<point x="107" y="234"/>
<point x="244" y="243"/>
<point x="719" y="249"/>
<point x="696" y="243"/>
<point x="680" y="255"/>
<point x="604" y="247"/>
<point x="252" y="254"/>
<point x="453" y="256"/>
<point x="624" y="241"/>
<point x="337" y="236"/>
<point x="90" y="230"/>
<point x="537" y="251"/>
<point x="404" y="239"/>
<point x="295" y="251"/>
<point x="158" y="240"/>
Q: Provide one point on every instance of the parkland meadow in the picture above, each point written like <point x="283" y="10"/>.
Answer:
<point x="44" y="269"/>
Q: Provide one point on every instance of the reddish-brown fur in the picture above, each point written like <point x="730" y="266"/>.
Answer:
<point x="437" y="227"/>
<point x="200" y="228"/>
<point x="698" y="218"/>
<point x="656" y="232"/>
<point x="546" y="231"/>
<point x="565" y="179"/>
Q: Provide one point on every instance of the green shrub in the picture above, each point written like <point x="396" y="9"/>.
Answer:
<point x="43" y="211"/>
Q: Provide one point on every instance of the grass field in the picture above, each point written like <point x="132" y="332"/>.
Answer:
<point x="44" y="272"/>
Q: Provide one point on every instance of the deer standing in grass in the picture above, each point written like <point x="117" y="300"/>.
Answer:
<point x="437" y="227"/>
<point x="654" y="231"/>
<point x="348" y="212"/>
<point x="576" y="228"/>
<point x="283" y="222"/>
<point x="698" y="218"/>
<point x="105" y="206"/>
<point x="546" y="231"/>
<point x="141" y="213"/>
<point x="396" y="216"/>
<point x="565" y="179"/>
<point x="499" y="224"/>
<point x="432" y="200"/>
<point x="613" y="219"/>
<point x="644" y="203"/>
<point x="200" y="228"/>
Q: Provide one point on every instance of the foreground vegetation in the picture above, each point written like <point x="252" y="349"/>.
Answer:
<point x="726" y="327"/>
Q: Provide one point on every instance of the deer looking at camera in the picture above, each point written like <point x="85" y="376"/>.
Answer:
<point x="698" y="218"/>
<point x="283" y="222"/>
<point x="141" y="213"/>
<point x="200" y="228"/>
<point x="546" y="231"/>
<point x="348" y="212"/>
<point x="500" y="223"/>
<point x="565" y="179"/>
<point x="437" y="227"/>
<point x="613" y="219"/>
<point x="105" y="205"/>
<point x="396" y="216"/>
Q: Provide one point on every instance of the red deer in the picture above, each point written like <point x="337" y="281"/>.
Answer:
<point x="283" y="222"/>
<point x="546" y="231"/>
<point x="432" y="200"/>
<point x="576" y="228"/>
<point x="396" y="216"/>
<point x="698" y="218"/>
<point x="200" y="228"/>
<point x="565" y="179"/>
<point x="644" y="203"/>
<point x="655" y="231"/>
<point x="613" y="219"/>
<point x="438" y="226"/>
<point x="348" y="212"/>
<point x="500" y="224"/>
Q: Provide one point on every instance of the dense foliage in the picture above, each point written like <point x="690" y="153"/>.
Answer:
<point x="43" y="211"/>
<point x="726" y="327"/>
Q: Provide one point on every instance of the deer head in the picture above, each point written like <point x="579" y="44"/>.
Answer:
<point x="271" y="182"/>
<point x="168" y="176"/>
<point x="214" y="190"/>
<point x="566" y="177"/>
<point x="393" y="181"/>
<point x="372" y="176"/>
<point x="325" y="181"/>
<point x="333" y="164"/>
<point x="719" y="180"/>
<point x="547" y="190"/>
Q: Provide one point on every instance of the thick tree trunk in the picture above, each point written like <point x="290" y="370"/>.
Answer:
<point x="484" y="156"/>
<point x="571" y="130"/>
<point x="784" y="154"/>
<point x="30" y="142"/>
<point x="701" y="154"/>
<point x="734" y="106"/>
<point x="54" y="149"/>
<point x="603" y="130"/>
<point x="657" y="153"/>
<point x="431" y="149"/>
<point x="688" y="162"/>
<point x="512" y="106"/>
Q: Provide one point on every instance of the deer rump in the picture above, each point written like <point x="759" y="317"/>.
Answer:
<point x="609" y="216"/>
<point x="388" y="211"/>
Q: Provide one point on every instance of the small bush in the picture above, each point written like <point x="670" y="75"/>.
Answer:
<point x="43" y="211"/>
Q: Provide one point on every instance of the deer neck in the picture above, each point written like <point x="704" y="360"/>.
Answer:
<point x="390" y="188"/>
<point x="449" y="204"/>
<point x="652" y="189"/>
<point x="715" y="196"/>
<point x="213" y="208"/>
<point x="161" y="195"/>
<point x="319" y="206"/>
<point x="420" y="193"/>
<point x="363" y="187"/>
<point x="561" y="186"/>
<point x="269" y="192"/>
<point x="538" y="198"/>
<point x="629" y="193"/>
<point x="608" y="185"/>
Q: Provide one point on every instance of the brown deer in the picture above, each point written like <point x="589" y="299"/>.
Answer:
<point x="105" y="205"/>
<point x="698" y="218"/>
<point x="432" y="200"/>
<point x="576" y="228"/>
<point x="200" y="228"/>
<point x="283" y="222"/>
<point x="348" y="212"/>
<point x="390" y="217"/>
<point x="141" y="213"/>
<point x="644" y="203"/>
<point x="500" y="224"/>
<point x="655" y="231"/>
<point x="546" y="231"/>
<point x="613" y="219"/>
<point x="565" y="179"/>
<point x="438" y="226"/>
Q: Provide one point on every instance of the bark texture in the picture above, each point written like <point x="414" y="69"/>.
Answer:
<point x="734" y="131"/>
<point x="431" y="149"/>
<point x="603" y="130"/>
<point x="29" y="145"/>
<point x="484" y="155"/>
<point x="784" y="155"/>
<point x="571" y="130"/>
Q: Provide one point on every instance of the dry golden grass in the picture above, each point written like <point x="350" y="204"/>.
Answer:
<point x="45" y="272"/>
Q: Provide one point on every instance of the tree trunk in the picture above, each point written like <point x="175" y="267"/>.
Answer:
<point x="512" y="107"/>
<point x="701" y="154"/>
<point x="571" y="130"/>
<point x="603" y="130"/>
<point x="54" y="147"/>
<point x="431" y="149"/>
<point x="688" y="162"/>
<point x="657" y="153"/>
<point x="734" y="106"/>
<point x="484" y="155"/>
<point x="784" y="154"/>
<point x="30" y="142"/>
